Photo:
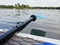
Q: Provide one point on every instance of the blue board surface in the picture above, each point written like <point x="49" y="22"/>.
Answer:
<point x="45" y="44"/>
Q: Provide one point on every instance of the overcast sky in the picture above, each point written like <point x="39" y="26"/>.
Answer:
<point x="33" y="2"/>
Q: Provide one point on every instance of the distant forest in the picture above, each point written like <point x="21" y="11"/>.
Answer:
<point x="18" y="6"/>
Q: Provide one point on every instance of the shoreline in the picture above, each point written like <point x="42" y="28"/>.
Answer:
<point x="28" y="9"/>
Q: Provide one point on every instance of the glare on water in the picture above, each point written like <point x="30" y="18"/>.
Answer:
<point x="51" y="24"/>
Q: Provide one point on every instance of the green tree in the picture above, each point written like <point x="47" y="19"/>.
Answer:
<point x="17" y="6"/>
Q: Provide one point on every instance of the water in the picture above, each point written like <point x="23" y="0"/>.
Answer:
<point x="9" y="18"/>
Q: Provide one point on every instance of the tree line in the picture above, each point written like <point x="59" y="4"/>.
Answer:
<point x="45" y="7"/>
<point x="18" y="6"/>
<point x="6" y="6"/>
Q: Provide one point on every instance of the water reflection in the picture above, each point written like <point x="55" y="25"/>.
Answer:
<point x="9" y="17"/>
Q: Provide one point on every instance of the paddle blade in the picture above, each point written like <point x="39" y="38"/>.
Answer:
<point x="41" y="16"/>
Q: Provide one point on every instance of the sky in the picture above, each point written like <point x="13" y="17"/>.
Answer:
<point x="41" y="3"/>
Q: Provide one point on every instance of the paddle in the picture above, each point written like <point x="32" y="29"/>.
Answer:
<point x="41" y="16"/>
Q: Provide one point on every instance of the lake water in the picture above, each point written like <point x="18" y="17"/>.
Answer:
<point x="9" y="18"/>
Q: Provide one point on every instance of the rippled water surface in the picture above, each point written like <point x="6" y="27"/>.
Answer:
<point x="9" y="18"/>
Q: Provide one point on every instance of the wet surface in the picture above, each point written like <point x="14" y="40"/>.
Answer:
<point x="9" y="18"/>
<point x="18" y="40"/>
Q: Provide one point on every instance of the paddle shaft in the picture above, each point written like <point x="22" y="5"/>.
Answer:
<point x="7" y="35"/>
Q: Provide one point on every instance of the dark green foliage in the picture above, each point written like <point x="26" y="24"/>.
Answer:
<point x="6" y="6"/>
<point x="18" y="6"/>
<point x="45" y="7"/>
